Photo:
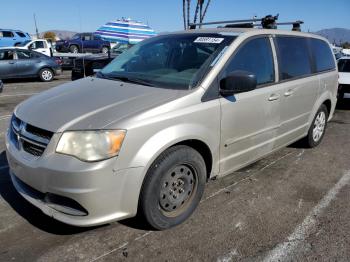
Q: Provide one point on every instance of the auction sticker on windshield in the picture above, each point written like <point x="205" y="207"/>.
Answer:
<point x="209" y="40"/>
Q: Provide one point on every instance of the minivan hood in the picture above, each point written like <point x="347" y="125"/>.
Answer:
<point x="90" y="103"/>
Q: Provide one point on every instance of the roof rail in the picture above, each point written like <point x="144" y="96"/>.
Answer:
<point x="267" y="22"/>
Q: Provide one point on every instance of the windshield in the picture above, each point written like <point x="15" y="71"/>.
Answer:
<point x="24" y="43"/>
<point x="344" y="65"/>
<point x="176" y="61"/>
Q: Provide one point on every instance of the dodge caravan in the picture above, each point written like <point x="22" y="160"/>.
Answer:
<point x="145" y="134"/>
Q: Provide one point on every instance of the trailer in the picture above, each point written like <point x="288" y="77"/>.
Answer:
<point x="68" y="59"/>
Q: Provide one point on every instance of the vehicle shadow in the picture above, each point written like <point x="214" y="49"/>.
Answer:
<point x="137" y="222"/>
<point x="24" y="80"/>
<point x="343" y="104"/>
<point x="29" y="212"/>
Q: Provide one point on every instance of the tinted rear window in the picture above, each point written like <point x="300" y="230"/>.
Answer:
<point x="344" y="65"/>
<point x="293" y="57"/>
<point x="21" y="34"/>
<point x="322" y="54"/>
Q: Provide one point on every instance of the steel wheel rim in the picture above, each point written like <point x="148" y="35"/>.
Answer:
<point x="105" y="50"/>
<point x="178" y="186"/>
<point x="319" y="126"/>
<point x="46" y="75"/>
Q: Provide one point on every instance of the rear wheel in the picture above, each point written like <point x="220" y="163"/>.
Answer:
<point x="173" y="187"/>
<point x="74" y="49"/>
<point x="46" y="75"/>
<point x="317" y="128"/>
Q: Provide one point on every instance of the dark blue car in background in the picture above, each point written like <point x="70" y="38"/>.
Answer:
<point x="83" y="42"/>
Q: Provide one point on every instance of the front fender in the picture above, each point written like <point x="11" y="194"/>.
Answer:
<point x="160" y="141"/>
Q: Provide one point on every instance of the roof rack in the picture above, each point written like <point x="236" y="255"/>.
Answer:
<point x="267" y="22"/>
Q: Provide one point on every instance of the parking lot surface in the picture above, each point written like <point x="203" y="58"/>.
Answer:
<point x="291" y="206"/>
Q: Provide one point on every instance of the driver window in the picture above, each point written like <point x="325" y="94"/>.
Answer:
<point x="6" y="55"/>
<point x="255" y="56"/>
<point x="23" y="55"/>
<point x="86" y="37"/>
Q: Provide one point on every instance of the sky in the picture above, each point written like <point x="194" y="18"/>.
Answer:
<point x="165" y="15"/>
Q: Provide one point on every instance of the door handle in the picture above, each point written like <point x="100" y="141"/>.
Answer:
<point x="289" y="93"/>
<point x="274" y="97"/>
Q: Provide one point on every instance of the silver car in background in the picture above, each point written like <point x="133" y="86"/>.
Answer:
<point x="146" y="134"/>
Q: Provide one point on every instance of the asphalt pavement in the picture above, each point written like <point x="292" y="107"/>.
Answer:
<point x="291" y="206"/>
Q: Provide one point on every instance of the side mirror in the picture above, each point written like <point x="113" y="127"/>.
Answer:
<point x="237" y="82"/>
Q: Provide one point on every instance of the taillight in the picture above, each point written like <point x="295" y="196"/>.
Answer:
<point x="58" y="61"/>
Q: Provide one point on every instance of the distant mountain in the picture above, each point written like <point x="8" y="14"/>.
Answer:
<point x="337" y="35"/>
<point x="61" y="34"/>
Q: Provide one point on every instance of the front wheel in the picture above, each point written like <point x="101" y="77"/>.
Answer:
<point x="74" y="49"/>
<point x="104" y="50"/>
<point x="46" y="75"/>
<point x="318" y="128"/>
<point x="173" y="187"/>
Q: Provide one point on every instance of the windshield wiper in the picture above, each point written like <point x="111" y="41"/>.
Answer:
<point x="125" y="79"/>
<point x="130" y="80"/>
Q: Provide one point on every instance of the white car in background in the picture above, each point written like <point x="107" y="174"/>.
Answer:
<point x="344" y="76"/>
<point x="40" y="45"/>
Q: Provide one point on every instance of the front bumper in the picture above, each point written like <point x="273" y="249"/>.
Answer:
<point x="106" y="195"/>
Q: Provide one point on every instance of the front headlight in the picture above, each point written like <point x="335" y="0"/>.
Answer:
<point x="91" y="145"/>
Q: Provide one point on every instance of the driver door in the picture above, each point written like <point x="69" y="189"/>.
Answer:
<point x="250" y="120"/>
<point x="7" y="64"/>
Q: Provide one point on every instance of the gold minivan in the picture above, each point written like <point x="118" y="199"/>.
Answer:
<point x="154" y="125"/>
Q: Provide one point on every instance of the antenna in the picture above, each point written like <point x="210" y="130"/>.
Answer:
<point x="36" y="27"/>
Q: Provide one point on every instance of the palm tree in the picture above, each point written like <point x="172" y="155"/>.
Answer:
<point x="196" y="13"/>
<point x="188" y="12"/>
<point x="184" y="13"/>
<point x="205" y="10"/>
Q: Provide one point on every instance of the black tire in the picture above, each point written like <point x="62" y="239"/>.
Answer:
<point x="310" y="141"/>
<point x="74" y="49"/>
<point x="170" y="172"/>
<point x="104" y="50"/>
<point x="46" y="75"/>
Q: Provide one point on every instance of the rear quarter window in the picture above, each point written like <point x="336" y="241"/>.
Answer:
<point x="293" y="57"/>
<point x="322" y="55"/>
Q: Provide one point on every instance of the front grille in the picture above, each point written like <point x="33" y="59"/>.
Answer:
<point x="28" y="138"/>
<point x="32" y="149"/>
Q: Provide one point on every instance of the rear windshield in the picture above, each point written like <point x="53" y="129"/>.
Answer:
<point x="21" y="34"/>
<point x="176" y="61"/>
<point x="344" y="65"/>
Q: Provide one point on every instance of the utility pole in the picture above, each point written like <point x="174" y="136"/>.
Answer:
<point x="36" y="27"/>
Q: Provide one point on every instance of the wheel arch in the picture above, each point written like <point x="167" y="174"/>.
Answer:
<point x="325" y="99"/>
<point x="198" y="137"/>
